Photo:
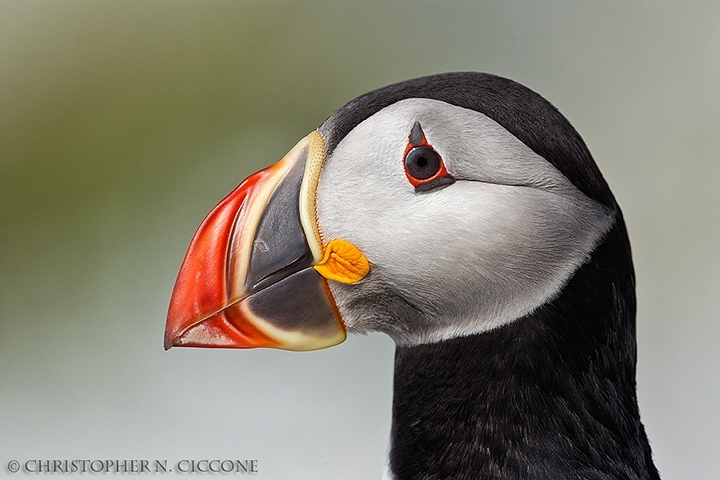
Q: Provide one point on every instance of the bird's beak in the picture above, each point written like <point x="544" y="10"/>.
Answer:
<point x="256" y="271"/>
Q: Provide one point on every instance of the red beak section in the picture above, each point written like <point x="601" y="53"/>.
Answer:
<point x="201" y="311"/>
<point x="247" y="278"/>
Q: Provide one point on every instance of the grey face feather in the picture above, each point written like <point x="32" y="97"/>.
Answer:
<point x="463" y="259"/>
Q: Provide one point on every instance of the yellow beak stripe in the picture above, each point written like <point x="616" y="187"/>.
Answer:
<point x="315" y="143"/>
<point x="343" y="262"/>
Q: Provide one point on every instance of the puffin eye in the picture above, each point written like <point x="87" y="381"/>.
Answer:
<point x="424" y="167"/>
<point x="422" y="163"/>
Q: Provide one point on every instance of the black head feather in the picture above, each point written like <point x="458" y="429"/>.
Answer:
<point x="524" y="113"/>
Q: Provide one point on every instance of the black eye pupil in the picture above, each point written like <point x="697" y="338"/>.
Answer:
<point x="422" y="163"/>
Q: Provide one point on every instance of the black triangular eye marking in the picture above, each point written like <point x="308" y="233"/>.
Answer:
<point x="416" y="135"/>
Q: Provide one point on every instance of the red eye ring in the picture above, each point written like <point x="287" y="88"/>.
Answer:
<point x="424" y="166"/>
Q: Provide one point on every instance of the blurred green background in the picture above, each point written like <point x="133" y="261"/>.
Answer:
<point x="123" y="122"/>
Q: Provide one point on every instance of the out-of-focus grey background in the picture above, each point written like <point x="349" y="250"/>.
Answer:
<point x="123" y="122"/>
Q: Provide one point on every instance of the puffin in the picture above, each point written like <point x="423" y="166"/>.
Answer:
<point x="462" y="215"/>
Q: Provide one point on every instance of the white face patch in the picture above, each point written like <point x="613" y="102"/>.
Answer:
<point x="458" y="260"/>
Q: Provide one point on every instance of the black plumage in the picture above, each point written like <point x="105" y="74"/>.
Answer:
<point x="548" y="396"/>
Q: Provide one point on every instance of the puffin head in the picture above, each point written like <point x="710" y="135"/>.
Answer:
<point x="462" y="215"/>
<point x="436" y="208"/>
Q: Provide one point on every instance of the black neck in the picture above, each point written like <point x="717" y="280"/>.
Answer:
<point x="551" y="395"/>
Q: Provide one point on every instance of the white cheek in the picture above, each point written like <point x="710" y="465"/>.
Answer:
<point x="471" y="256"/>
